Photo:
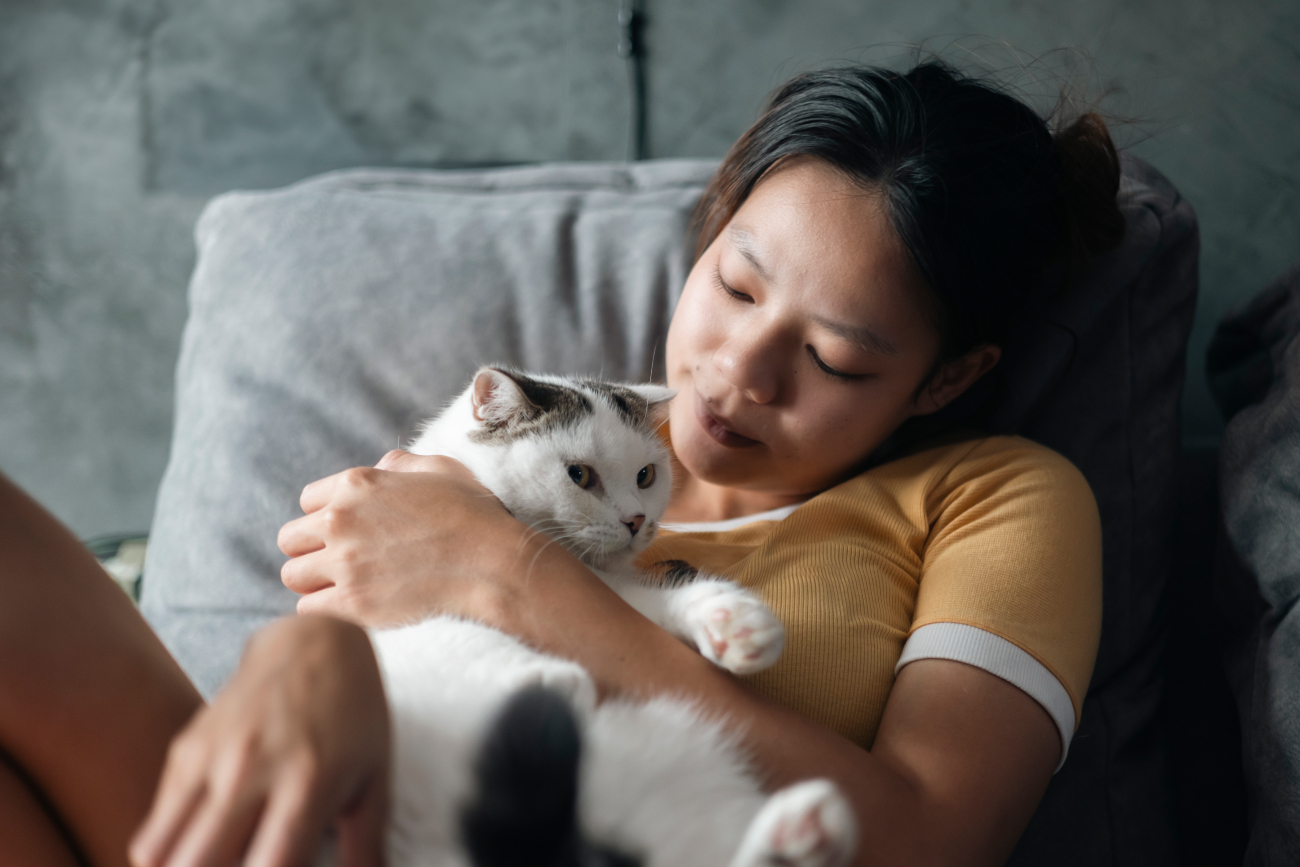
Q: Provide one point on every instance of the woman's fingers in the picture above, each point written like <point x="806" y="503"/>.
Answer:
<point x="396" y="543"/>
<point x="317" y="494"/>
<point x="302" y="535"/>
<point x="304" y="574"/>
<point x="180" y="793"/>
<point x="234" y="779"/>
<point x="282" y="751"/>
<point x="361" y="830"/>
<point x="398" y="461"/>
<point x="292" y="825"/>
<point x="325" y="601"/>
<point x="220" y="830"/>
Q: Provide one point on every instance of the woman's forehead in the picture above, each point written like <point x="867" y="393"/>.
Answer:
<point x="808" y="229"/>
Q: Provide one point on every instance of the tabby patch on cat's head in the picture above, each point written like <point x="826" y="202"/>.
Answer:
<point x="578" y="459"/>
<point x="510" y="404"/>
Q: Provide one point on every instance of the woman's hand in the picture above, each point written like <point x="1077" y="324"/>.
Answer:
<point x="413" y="536"/>
<point x="298" y="741"/>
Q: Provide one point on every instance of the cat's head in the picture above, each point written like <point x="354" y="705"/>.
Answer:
<point x="579" y="459"/>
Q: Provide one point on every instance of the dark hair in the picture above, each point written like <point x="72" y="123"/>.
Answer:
<point x="980" y="192"/>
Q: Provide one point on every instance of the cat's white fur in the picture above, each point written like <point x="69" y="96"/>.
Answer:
<point x="657" y="779"/>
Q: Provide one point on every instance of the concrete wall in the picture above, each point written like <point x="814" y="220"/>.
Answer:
<point x="119" y="119"/>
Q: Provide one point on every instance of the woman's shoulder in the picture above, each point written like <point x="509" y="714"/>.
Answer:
<point x="975" y="463"/>
<point x="937" y="484"/>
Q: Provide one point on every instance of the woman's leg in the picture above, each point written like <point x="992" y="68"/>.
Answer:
<point x="89" y="697"/>
<point x="32" y="837"/>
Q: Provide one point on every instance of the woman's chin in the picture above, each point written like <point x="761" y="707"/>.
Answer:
<point x="706" y="461"/>
<point x="711" y="462"/>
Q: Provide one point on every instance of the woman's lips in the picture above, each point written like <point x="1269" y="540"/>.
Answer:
<point x="717" y="430"/>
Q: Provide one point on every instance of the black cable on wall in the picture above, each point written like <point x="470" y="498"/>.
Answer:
<point x="631" y="47"/>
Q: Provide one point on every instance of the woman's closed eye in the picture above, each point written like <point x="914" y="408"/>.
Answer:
<point x="831" y="371"/>
<point x="726" y="289"/>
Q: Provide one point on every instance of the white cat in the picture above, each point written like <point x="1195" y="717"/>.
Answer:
<point x="581" y="461"/>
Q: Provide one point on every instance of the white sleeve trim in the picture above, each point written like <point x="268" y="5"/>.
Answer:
<point x="997" y="656"/>
<point x="778" y="514"/>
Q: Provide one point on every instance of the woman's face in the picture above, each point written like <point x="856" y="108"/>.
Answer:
<point x="800" y="338"/>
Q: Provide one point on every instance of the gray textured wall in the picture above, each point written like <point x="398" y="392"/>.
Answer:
<point x="119" y="119"/>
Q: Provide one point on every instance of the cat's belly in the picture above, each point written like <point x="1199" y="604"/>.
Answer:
<point x="446" y="679"/>
<point x="656" y="779"/>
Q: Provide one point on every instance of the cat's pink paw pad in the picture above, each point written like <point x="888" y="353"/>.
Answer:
<point x="738" y="632"/>
<point x="805" y="825"/>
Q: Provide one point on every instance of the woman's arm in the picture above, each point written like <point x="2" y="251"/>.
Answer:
<point x="961" y="758"/>
<point x="960" y="762"/>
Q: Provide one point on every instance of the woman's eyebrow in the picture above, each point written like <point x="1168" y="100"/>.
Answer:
<point x="743" y="241"/>
<point x="865" y="336"/>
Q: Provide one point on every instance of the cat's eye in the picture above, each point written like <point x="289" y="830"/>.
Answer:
<point x="583" y="476"/>
<point x="646" y="477"/>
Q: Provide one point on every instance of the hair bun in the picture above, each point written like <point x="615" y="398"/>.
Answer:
<point x="1089" y="184"/>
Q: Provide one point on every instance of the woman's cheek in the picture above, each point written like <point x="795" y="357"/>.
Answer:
<point x="690" y="338"/>
<point x="842" y="434"/>
<point x="683" y="328"/>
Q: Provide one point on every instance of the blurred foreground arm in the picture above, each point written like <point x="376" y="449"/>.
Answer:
<point x="298" y="741"/>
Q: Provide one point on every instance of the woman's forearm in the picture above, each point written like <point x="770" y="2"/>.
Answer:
<point x="566" y="610"/>
<point x="961" y="757"/>
<point x="960" y="763"/>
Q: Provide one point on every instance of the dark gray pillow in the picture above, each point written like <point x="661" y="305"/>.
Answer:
<point x="327" y="318"/>
<point x="1100" y="380"/>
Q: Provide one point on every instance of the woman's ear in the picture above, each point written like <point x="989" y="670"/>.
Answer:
<point x="954" y="377"/>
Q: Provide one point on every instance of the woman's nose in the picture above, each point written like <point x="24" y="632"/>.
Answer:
<point x="748" y="362"/>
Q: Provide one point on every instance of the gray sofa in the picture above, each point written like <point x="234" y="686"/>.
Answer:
<point x="328" y="318"/>
<point x="1254" y="367"/>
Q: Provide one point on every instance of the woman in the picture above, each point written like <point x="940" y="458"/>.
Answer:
<point x="864" y="250"/>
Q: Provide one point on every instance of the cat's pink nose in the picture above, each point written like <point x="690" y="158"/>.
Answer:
<point x="634" y="523"/>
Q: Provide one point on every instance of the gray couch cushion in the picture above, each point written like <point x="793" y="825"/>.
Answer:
<point x="329" y="317"/>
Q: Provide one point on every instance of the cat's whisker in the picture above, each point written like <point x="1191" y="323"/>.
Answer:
<point x="532" y="533"/>
<point x="528" y="573"/>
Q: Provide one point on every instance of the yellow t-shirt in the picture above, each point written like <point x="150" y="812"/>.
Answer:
<point x="986" y="551"/>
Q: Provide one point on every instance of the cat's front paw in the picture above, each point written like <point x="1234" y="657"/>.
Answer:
<point x="734" y="629"/>
<point x="809" y="824"/>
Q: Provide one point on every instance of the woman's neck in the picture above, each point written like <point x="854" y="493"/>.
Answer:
<point x="695" y="500"/>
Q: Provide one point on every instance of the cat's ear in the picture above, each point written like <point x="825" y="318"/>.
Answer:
<point x="498" y="398"/>
<point x="657" y="397"/>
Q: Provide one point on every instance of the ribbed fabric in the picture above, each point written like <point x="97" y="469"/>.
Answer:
<point x="997" y="656"/>
<point x="1000" y="534"/>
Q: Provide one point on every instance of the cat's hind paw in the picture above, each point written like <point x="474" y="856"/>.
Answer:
<point x="734" y="629"/>
<point x="809" y="824"/>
